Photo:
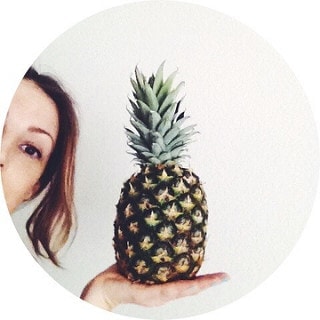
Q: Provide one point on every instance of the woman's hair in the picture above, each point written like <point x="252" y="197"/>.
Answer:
<point x="50" y="224"/>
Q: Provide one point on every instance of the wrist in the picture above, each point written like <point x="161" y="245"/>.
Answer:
<point x="95" y="294"/>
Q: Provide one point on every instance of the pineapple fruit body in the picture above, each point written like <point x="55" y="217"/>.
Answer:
<point x="162" y="214"/>
<point x="160" y="228"/>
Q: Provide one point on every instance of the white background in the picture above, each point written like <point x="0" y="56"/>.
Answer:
<point x="290" y="28"/>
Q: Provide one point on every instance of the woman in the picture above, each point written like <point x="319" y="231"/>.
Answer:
<point x="38" y="153"/>
<point x="38" y="157"/>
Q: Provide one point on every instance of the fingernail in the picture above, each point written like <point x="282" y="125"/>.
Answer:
<point x="224" y="278"/>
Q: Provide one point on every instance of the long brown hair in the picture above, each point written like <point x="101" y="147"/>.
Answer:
<point x="50" y="224"/>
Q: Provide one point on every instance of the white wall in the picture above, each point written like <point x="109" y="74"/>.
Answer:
<point x="257" y="153"/>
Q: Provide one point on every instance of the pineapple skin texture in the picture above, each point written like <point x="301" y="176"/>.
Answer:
<point x="161" y="225"/>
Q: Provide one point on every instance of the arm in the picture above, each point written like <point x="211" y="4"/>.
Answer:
<point x="109" y="289"/>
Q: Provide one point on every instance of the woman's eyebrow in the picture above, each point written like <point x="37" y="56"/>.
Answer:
<point x="42" y="131"/>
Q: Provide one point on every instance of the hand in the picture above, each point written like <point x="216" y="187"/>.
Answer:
<point x="109" y="289"/>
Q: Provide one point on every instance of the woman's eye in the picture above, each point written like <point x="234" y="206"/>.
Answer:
<point x="31" y="151"/>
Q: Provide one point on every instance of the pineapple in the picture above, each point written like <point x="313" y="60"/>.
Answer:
<point x="162" y="214"/>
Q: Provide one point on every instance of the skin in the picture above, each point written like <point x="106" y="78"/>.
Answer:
<point x="109" y="289"/>
<point x="29" y="137"/>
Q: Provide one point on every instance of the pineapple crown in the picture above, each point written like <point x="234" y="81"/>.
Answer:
<point x="158" y="137"/>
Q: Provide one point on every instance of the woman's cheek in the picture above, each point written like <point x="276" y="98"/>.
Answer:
<point x="19" y="183"/>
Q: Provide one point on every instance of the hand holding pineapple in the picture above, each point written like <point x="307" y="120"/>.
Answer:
<point x="110" y="288"/>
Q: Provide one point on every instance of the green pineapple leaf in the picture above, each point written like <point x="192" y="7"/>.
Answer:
<point x="158" y="136"/>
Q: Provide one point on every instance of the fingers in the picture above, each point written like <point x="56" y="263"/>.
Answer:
<point x="209" y="280"/>
<point x="156" y="295"/>
<point x="185" y="288"/>
<point x="204" y="282"/>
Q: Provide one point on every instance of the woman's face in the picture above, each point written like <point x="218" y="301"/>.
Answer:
<point x="29" y="137"/>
